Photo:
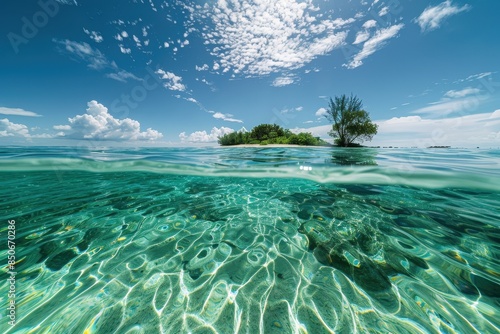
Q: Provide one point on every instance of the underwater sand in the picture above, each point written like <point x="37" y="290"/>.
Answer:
<point x="252" y="240"/>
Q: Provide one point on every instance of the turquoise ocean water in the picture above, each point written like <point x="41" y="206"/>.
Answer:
<point x="251" y="240"/>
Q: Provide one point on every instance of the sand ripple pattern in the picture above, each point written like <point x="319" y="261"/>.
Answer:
<point x="145" y="253"/>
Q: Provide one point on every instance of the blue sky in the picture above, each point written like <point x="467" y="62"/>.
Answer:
<point x="183" y="72"/>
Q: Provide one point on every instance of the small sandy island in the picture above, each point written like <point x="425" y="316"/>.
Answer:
<point x="270" y="145"/>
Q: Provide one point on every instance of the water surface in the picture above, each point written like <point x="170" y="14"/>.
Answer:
<point x="249" y="240"/>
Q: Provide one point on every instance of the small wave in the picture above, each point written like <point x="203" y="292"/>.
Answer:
<point x="381" y="175"/>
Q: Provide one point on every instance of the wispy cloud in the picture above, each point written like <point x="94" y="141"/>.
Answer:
<point x="384" y="11"/>
<point x="68" y="2"/>
<point x="469" y="131"/>
<point x="62" y="127"/>
<point x="17" y="112"/>
<point x="467" y="99"/>
<point x="477" y="76"/>
<point x="95" y="59"/>
<point x="362" y="36"/>
<point x="98" y="124"/>
<point x="373" y="44"/>
<point x="122" y="76"/>
<point x="432" y="17"/>
<point x="226" y="117"/>
<point x="462" y="93"/>
<point x="446" y="106"/>
<point x="287" y="110"/>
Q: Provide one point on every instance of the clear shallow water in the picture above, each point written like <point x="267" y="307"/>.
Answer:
<point x="267" y="240"/>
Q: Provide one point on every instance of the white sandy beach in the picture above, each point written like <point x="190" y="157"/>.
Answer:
<point x="270" y="145"/>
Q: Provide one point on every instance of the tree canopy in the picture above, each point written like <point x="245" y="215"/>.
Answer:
<point x="351" y="122"/>
<point x="266" y="131"/>
<point x="264" y="134"/>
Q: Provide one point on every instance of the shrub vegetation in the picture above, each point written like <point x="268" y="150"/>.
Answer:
<point x="264" y="134"/>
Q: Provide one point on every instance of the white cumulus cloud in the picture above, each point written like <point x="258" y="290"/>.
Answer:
<point x="137" y="41"/>
<point x="10" y="129"/>
<point x="432" y="17"/>
<point x="203" y="136"/>
<point x="278" y="35"/>
<point x="171" y="81"/>
<point x="98" y="124"/>
<point x="321" y="112"/>
<point x="202" y="68"/>
<point x="370" y="24"/>
<point x="282" y="81"/>
<point x="124" y="50"/>
<point x="94" y="35"/>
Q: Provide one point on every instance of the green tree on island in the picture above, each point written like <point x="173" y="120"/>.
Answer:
<point x="266" y="131"/>
<point x="350" y="121"/>
<point x="265" y="134"/>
